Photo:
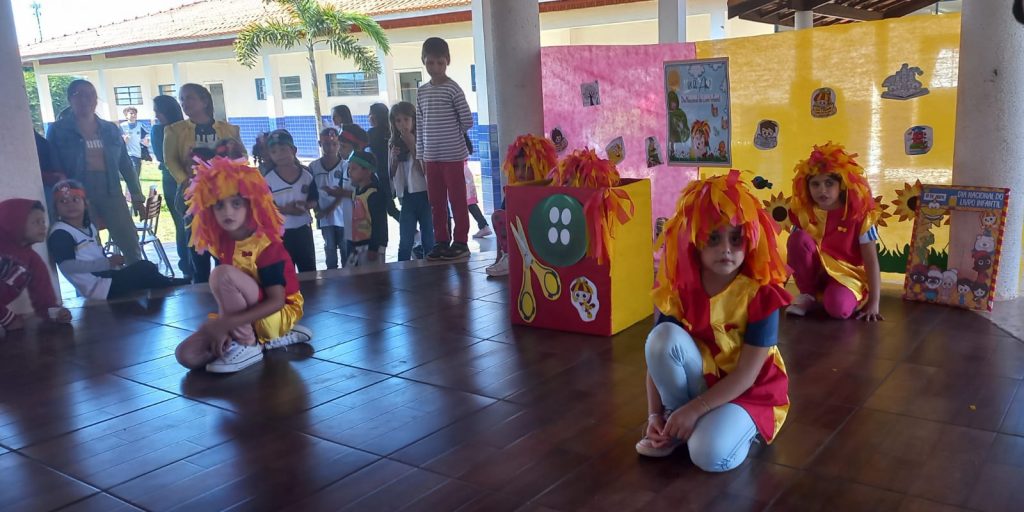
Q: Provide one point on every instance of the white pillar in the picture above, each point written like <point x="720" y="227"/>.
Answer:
<point x="990" y="120"/>
<point x="481" y="58"/>
<point x="671" y="21"/>
<point x="106" y="107"/>
<point x="45" y="99"/>
<point x="271" y="84"/>
<point x="718" y="17"/>
<point x="385" y="80"/>
<point x="19" y="165"/>
<point x="803" y="19"/>
<point x="178" y="75"/>
<point x="512" y="38"/>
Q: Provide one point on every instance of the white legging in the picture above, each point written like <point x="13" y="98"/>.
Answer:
<point x="721" y="439"/>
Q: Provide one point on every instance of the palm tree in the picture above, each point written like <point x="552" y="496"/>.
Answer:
<point x="308" y="23"/>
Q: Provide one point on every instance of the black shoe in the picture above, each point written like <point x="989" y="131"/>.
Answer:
<point x="457" y="252"/>
<point x="417" y="252"/>
<point x="438" y="253"/>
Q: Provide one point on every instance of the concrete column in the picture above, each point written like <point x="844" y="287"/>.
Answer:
<point x="671" y="21"/>
<point x="718" y="16"/>
<point x="386" y="79"/>
<point x="511" y="38"/>
<point x="45" y="99"/>
<point x="803" y="19"/>
<point x="178" y="75"/>
<point x="106" y="108"/>
<point x="271" y="84"/>
<point x="19" y="166"/>
<point x="990" y="121"/>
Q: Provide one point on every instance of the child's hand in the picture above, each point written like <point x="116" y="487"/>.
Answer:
<point x="682" y="421"/>
<point x="339" y="192"/>
<point x="870" y="313"/>
<point x="63" y="316"/>
<point x="655" y="426"/>
<point x="115" y="260"/>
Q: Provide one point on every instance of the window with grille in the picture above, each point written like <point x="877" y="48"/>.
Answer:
<point x="167" y="90"/>
<point x="128" y="95"/>
<point x="352" y="84"/>
<point x="261" y="89"/>
<point x="291" y="88"/>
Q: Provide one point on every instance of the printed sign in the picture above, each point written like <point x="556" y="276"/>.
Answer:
<point x="697" y="100"/>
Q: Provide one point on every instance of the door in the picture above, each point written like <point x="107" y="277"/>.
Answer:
<point x="409" y="82"/>
<point x="217" y="91"/>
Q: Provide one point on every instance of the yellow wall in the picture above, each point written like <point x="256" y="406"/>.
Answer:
<point x="772" y="77"/>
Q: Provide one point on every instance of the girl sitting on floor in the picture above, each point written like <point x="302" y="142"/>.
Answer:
<point x="715" y="378"/>
<point x="832" y="248"/>
<point x="257" y="293"/>
<point x="528" y="162"/>
<point x="75" y="246"/>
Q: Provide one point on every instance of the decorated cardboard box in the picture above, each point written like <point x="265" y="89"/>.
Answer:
<point x="560" y="284"/>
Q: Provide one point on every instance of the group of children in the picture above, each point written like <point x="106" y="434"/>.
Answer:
<point x="716" y="380"/>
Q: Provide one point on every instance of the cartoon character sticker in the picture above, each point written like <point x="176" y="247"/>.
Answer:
<point x="948" y="285"/>
<point x="918" y="275"/>
<point x="584" y="298"/>
<point x="989" y="220"/>
<point x="963" y="291"/>
<point x="653" y="153"/>
<point x="980" y="289"/>
<point x="917" y="140"/>
<point x="823" y="102"/>
<point x="591" y="93"/>
<point x="700" y="136"/>
<point x="767" y="135"/>
<point x="931" y="284"/>
<point x="616" y="150"/>
<point x="558" y="139"/>
<point x="903" y="84"/>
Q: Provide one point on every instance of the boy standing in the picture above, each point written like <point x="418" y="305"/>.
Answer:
<point x="443" y="117"/>
<point x="328" y="173"/>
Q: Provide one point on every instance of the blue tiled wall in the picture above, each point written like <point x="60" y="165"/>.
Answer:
<point x="487" y="152"/>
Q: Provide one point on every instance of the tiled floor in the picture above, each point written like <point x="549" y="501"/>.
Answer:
<point x="421" y="396"/>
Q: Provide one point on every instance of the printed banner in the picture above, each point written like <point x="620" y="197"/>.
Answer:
<point x="697" y="96"/>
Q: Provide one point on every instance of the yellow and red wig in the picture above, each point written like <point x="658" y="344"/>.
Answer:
<point x="704" y="207"/>
<point x="221" y="178"/>
<point x="856" y="192"/>
<point x="584" y="168"/>
<point x="539" y="153"/>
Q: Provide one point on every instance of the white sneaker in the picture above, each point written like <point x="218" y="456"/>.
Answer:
<point x="646" y="448"/>
<point x="801" y="305"/>
<point x="298" y="334"/>
<point x="499" y="268"/>
<point x="485" y="232"/>
<point x="236" y="358"/>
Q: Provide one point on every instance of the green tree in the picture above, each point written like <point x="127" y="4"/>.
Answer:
<point x="33" y="98"/>
<point x="307" y="23"/>
<point x="59" y="91"/>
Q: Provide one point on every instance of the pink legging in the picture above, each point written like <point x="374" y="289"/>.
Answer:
<point x="235" y="291"/>
<point x="446" y="183"/>
<point x="500" y="230"/>
<point x="812" y="279"/>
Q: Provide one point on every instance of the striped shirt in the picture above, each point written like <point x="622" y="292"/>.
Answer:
<point x="442" y="120"/>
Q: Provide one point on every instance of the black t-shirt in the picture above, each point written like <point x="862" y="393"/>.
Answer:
<point x="206" y="141"/>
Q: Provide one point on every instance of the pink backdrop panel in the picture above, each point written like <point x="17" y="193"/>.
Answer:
<point x="633" y="106"/>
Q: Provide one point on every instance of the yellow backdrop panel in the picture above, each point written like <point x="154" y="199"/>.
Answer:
<point x="773" y="77"/>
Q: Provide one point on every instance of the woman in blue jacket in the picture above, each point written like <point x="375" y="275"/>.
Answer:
<point x="93" y="151"/>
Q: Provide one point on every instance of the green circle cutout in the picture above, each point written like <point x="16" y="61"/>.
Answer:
<point x="558" y="231"/>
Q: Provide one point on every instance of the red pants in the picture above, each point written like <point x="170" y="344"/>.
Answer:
<point x="446" y="184"/>
<point x="812" y="279"/>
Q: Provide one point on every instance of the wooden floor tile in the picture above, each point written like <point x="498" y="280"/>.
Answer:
<point x="101" y="502"/>
<point x="30" y="486"/>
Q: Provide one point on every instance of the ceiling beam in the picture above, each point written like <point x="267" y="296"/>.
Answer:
<point x="848" y="13"/>
<point x="907" y="7"/>
<point x="807" y="5"/>
<point x="743" y="7"/>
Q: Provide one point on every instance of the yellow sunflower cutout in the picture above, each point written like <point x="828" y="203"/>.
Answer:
<point x="907" y="201"/>
<point x="884" y="213"/>
<point x="778" y="209"/>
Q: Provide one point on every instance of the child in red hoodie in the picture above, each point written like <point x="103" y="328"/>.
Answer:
<point x="22" y="224"/>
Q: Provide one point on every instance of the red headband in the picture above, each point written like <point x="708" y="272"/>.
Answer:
<point x="352" y="139"/>
<point x="67" y="191"/>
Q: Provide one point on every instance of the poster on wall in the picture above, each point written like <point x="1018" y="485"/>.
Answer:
<point x="697" y="98"/>
<point x="965" y="274"/>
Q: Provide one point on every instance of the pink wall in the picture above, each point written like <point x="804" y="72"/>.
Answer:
<point x="632" y="85"/>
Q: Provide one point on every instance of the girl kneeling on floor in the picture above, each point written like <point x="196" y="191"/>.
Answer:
<point x="254" y="283"/>
<point x="715" y="378"/>
<point x="528" y="162"/>
<point x="833" y="247"/>
<point x="75" y="246"/>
